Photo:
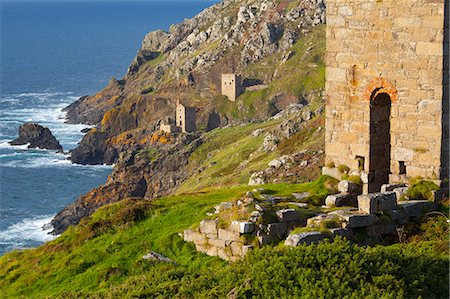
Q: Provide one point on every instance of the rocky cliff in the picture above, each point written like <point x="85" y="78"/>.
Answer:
<point x="277" y="45"/>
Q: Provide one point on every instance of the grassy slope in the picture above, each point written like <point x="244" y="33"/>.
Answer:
<point x="103" y="258"/>
<point x="107" y="249"/>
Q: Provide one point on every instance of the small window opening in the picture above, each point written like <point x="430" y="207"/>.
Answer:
<point x="401" y="167"/>
<point x="361" y="161"/>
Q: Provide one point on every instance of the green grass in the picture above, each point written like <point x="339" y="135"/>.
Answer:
<point x="102" y="258"/>
<point x="107" y="248"/>
<point x="421" y="189"/>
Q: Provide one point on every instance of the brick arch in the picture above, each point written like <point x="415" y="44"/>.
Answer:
<point x="380" y="85"/>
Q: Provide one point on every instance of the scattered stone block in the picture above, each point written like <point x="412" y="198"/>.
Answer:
<point x="347" y="187"/>
<point x="212" y="251"/>
<point x="391" y="187"/>
<point x="277" y="229"/>
<point x="341" y="200"/>
<point x="217" y="243"/>
<point x="305" y="238"/>
<point x="208" y="228"/>
<point x="236" y="248"/>
<point x="332" y="172"/>
<point x="399" y="217"/>
<point x="242" y="227"/>
<point x="346" y="233"/>
<point x="223" y="253"/>
<point x="288" y="215"/>
<point x="373" y="203"/>
<point x="358" y="220"/>
<point x="417" y="208"/>
<point x="301" y="196"/>
<point x="190" y="235"/>
<point x="265" y="239"/>
<point x="228" y="235"/>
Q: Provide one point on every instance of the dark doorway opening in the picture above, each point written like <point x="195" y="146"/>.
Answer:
<point x="380" y="140"/>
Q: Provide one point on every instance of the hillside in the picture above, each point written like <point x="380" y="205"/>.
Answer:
<point x="289" y="39"/>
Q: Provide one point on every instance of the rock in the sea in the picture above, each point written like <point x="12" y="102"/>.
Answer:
<point x="37" y="136"/>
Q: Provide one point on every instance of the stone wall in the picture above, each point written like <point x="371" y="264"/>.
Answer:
<point x="395" y="48"/>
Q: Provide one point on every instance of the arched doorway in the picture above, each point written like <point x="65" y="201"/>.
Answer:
<point x="380" y="139"/>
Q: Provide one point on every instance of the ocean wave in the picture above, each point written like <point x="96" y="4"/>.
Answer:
<point x="43" y="94"/>
<point x="34" y="229"/>
<point x="6" y="145"/>
<point x="50" y="160"/>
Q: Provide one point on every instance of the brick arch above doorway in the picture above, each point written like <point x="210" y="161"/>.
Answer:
<point x="380" y="85"/>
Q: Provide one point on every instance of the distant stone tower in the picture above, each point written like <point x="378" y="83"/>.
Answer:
<point x="387" y="89"/>
<point x="186" y="118"/>
<point x="231" y="86"/>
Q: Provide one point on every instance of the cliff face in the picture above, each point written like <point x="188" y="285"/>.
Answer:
<point x="278" y="45"/>
<point x="252" y="38"/>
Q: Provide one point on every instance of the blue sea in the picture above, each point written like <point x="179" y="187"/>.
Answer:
<point x="53" y="52"/>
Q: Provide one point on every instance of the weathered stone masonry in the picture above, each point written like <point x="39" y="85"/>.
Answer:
<point x="387" y="88"/>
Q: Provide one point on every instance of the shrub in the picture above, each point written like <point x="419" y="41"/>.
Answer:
<point x="421" y="189"/>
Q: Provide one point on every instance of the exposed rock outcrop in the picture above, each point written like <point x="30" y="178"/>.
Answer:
<point x="37" y="136"/>
<point x="147" y="173"/>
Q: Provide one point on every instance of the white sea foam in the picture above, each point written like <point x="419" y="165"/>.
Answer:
<point x="5" y="144"/>
<point x="34" y="229"/>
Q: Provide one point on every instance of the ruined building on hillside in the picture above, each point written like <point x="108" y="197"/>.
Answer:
<point x="185" y="120"/>
<point x="387" y="89"/>
<point x="231" y="86"/>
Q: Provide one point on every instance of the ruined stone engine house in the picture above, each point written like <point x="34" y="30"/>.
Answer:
<point x="387" y="82"/>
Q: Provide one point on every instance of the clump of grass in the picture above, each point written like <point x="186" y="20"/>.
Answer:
<point x="330" y="165"/>
<point x="343" y="168"/>
<point x="356" y="179"/>
<point x="421" y="189"/>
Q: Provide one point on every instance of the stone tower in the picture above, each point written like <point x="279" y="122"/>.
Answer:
<point x="231" y="86"/>
<point x="387" y="89"/>
<point x="185" y="118"/>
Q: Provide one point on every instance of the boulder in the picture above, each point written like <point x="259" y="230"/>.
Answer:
<point x="37" y="136"/>
<point x="305" y="238"/>
<point x="347" y="187"/>
<point x="288" y="215"/>
<point x="156" y="257"/>
<point x="341" y="200"/>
